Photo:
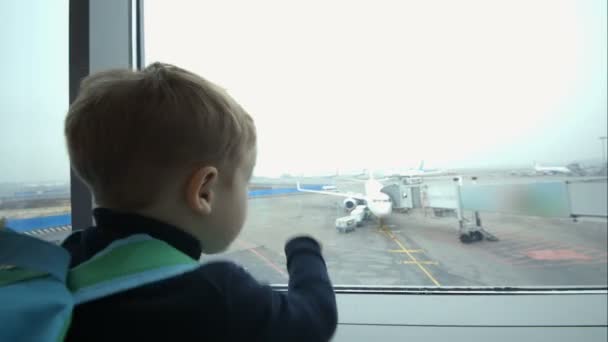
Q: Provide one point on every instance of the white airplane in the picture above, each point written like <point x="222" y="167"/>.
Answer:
<point x="419" y="172"/>
<point x="551" y="170"/>
<point x="376" y="201"/>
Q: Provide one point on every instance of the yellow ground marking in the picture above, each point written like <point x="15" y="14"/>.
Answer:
<point x="409" y="254"/>
<point x="407" y="262"/>
<point x="405" y="251"/>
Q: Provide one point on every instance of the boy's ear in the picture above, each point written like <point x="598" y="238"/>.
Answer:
<point x="199" y="190"/>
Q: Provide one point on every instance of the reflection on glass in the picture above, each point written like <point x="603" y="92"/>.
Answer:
<point x="423" y="143"/>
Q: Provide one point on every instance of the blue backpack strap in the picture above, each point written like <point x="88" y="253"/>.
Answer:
<point x="33" y="254"/>
<point x="125" y="264"/>
<point x="35" y="303"/>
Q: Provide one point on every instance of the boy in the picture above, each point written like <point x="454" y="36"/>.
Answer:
<point x="169" y="154"/>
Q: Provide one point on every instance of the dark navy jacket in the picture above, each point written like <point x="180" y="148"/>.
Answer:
<point x="219" y="301"/>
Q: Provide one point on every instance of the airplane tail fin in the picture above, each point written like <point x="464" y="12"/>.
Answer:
<point x="370" y="173"/>
<point x="421" y="166"/>
<point x="298" y="186"/>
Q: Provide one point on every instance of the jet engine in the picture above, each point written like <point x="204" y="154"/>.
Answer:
<point x="350" y="204"/>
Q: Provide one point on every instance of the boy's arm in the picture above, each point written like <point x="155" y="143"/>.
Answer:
<point x="307" y="312"/>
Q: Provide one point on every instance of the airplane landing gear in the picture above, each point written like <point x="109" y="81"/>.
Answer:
<point x="471" y="237"/>
<point x="470" y="233"/>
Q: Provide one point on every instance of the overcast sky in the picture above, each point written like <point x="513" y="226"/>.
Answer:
<point x="345" y="84"/>
<point x="34" y="90"/>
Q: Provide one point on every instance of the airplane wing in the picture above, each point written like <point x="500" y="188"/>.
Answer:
<point x="332" y="193"/>
<point x="356" y="180"/>
<point x="424" y="173"/>
<point x="434" y="173"/>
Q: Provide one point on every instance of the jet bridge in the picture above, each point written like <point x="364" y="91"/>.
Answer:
<point x="405" y="193"/>
<point x="566" y="199"/>
<point x="404" y="196"/>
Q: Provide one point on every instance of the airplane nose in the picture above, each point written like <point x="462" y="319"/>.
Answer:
<point x="384" y="211"/>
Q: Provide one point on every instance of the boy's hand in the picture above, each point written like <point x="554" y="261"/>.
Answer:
<point x="305" y="236"/>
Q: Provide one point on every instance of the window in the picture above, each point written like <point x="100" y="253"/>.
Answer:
<point x="35" y="173"/>
<point x="482" y="120"/>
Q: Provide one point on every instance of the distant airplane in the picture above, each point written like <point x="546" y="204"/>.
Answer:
<point x="378" y="203"/>
<point x="419" y="172"/>
<point x="551" y="170"/>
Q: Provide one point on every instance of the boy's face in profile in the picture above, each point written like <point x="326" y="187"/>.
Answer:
<point x="228" y="206"/>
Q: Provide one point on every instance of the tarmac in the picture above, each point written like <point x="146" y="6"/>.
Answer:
<point x="418" y="249"/>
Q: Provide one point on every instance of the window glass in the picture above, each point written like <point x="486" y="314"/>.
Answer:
<point x="479" y="122"/>
<point x="34" y="172"/>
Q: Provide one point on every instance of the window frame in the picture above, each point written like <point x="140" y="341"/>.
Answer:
<point x="102" y="35"/>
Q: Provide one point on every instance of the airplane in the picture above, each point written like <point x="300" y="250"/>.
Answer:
<point x="419" y="172"/>
<point x="551" y="170"/>
<point x="378" y="203"/>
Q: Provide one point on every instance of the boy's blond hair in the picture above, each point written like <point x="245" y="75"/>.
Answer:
<point x="131" y="133"/>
